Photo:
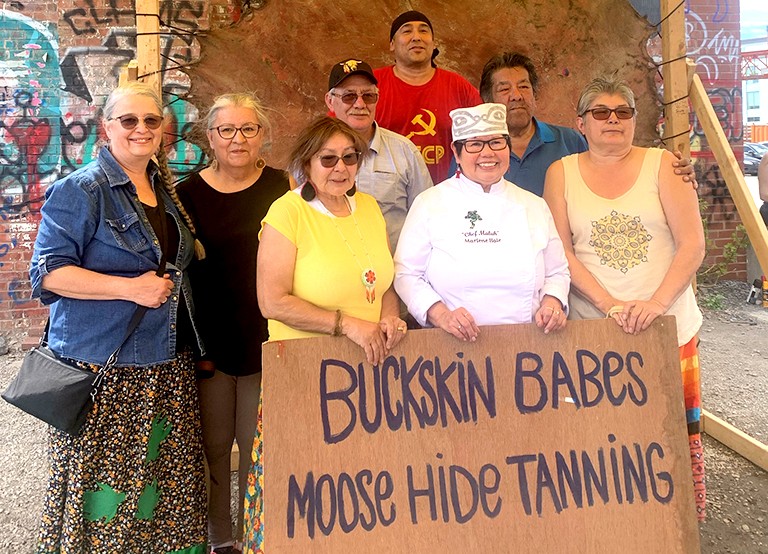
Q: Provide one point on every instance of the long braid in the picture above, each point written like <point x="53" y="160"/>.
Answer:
<point x="170" y="188"/>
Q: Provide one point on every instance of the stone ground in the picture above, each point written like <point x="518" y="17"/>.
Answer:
<point x="734" y="359"/>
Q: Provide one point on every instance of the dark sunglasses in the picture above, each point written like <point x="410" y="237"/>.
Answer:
<point x="601" y="114"/>
<point x="351" y="97"/>
<point x="331" y="161"/>
<point x="130" y="121"/>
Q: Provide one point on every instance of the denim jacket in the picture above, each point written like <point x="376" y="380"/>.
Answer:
<point x="93" y="219"/>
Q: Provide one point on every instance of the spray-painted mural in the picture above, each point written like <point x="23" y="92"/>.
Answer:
<point x="53" y="83"/>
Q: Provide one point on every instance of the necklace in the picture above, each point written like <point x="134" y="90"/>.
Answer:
<point x="367" y="274"/>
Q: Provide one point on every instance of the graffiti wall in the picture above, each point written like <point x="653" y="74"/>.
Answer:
<point x="55" y="74"/>
<point x="714" y="43"/>
<point x="59" y="61"/>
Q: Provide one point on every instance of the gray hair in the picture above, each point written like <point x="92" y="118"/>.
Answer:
<point x="604" y="85"/>
<point x="132" y="88"/>
<point x="241" y="100"/>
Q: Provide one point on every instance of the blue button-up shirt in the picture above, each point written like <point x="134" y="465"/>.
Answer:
<point x="93" y="219"/>
<point x="394" y="173"/>
<point x="548" y="144"/>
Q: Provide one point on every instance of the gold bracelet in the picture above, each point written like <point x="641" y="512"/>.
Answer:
<point x="337" y="325"/>
<point x="614" y="310"/>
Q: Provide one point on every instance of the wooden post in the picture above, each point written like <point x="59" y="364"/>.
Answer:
<point x="676" y="118"/>
<point x="734" y="179"/>
<point x="148" y="42"/>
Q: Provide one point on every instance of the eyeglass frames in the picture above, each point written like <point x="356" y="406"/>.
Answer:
<point x="130" y="121"/>
<point x="228" y="132"/>
<point x="351" y="97"/>
<point x="601" y="114"/>
<point x="475" y="146"/>
<point x="330" y="161"/>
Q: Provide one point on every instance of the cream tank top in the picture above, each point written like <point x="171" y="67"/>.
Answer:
<point x="625" y="243"/>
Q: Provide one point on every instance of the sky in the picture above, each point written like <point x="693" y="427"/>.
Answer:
<point x="754" y="18"/>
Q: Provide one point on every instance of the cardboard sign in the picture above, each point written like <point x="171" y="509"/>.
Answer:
<point x="520" y="442"/>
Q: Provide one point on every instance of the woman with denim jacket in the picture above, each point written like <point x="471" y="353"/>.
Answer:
<point x="133" y="479"/>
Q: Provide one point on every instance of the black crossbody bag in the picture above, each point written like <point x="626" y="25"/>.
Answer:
<point x="57" y="392"/>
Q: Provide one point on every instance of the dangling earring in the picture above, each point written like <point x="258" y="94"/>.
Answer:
<point x="308" y="192"/>
<point x="214" y="165"/>
<point x="260" y="163"/>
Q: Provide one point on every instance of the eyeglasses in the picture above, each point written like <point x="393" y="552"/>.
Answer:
<point x="351" y="97"/>
<point x="130" y="121"/>
<point x="475" y="146"/>
<point x="331" y="161"/>
<point x="228" y="132"/>
<point x="601" y="114"/>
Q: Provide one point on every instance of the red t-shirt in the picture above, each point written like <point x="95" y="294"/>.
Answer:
<point x="421" y="113"/>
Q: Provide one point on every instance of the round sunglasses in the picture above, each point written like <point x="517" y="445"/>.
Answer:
<point x="130" y="121"/>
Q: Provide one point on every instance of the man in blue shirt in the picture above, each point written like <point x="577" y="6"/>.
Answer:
<point x="510" y="78"/>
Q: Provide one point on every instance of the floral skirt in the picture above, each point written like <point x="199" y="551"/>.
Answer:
<point x="253" y="528"/>
<point x="133" y="481"/>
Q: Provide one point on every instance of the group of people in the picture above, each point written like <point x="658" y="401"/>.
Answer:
<point x="339" y="244"/>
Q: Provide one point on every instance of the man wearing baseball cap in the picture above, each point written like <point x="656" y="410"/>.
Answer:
<point x="417" y="96"/>
<point x="393" y="172"/>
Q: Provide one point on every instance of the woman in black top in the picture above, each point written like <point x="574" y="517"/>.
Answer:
<point x="227" y="202"/>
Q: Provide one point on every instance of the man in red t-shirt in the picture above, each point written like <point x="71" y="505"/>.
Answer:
<point x="417" y="96"/>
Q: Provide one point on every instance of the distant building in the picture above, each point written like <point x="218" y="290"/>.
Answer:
<point x="754" y="53"/>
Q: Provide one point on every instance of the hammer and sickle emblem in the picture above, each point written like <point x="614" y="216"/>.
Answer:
<point x="426" y="128"/>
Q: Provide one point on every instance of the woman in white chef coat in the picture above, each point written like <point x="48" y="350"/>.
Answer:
<point x="476" y="249"/>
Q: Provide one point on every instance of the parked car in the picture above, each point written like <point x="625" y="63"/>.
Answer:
<point x="750" y="162"/>
<point x="756" y="150"/>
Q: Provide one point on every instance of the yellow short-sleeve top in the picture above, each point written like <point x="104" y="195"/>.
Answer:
<point x="331" y="255"/>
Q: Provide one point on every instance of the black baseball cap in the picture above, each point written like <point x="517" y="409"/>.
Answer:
<point x="345" y="68"/>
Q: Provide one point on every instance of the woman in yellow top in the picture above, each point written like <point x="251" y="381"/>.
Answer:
<point x="324" y="266"/>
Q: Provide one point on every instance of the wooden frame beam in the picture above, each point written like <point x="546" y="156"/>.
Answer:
<point x="731" y="171"/>
<point x="738" y="441"/>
